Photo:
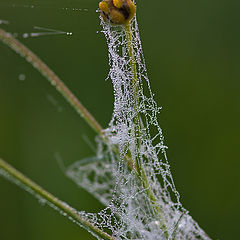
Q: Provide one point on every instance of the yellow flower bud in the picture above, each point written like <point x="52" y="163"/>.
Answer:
<point x="118" y="3"/>
<point x="117" y="11"/>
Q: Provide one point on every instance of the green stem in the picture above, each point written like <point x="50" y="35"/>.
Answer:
<point x="136" y="120"/>
<point x="17" y="177"/>
<point x="52" y="77"/>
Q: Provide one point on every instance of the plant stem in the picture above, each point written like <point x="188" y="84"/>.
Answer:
<point x="52" y="201"/>
<point x="136" y="118"/>
<point x="137" y="129"/>
<point x="52" y="77"/>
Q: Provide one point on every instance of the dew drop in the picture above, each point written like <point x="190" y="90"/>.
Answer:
<point x="21" y="77"/>
<point x="25" y="35"/>
<point x="42" y="201"/>
<point x="53" y="83"/>
<point x="3" y="21"/>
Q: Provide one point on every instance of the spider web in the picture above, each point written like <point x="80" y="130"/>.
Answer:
<point x="111" y="177"/>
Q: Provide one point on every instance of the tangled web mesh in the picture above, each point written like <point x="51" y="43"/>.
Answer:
<point x="140" y="202"/>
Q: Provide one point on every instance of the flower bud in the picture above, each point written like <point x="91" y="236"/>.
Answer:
<point x="117" y="12"/>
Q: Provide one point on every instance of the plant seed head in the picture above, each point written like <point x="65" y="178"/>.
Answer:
<point x="117" y="12"/>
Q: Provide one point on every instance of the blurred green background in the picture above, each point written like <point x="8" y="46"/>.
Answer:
<point x="193" y="57"/>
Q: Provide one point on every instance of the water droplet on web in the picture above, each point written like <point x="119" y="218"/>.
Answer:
<point x="25" y="35"/>
<point x="42" y="201"/>
<point x="157" y="223"/>
<point x="53" y="83"/>
<point x="4" y="21"/>
<point x="21" y="77"/>
<point x="75" y="9"/>
<point x="45" y="31"/>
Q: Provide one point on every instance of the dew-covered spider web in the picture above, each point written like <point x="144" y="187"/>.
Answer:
<point x="130" y="174"/>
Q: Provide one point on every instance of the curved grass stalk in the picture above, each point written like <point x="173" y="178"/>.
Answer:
<point x="11" y="173"/>
<point x="37" y="63"/>
<point x="136" y="119"/>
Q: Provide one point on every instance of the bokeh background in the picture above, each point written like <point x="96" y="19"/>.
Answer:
<point x="193" y="58"/>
